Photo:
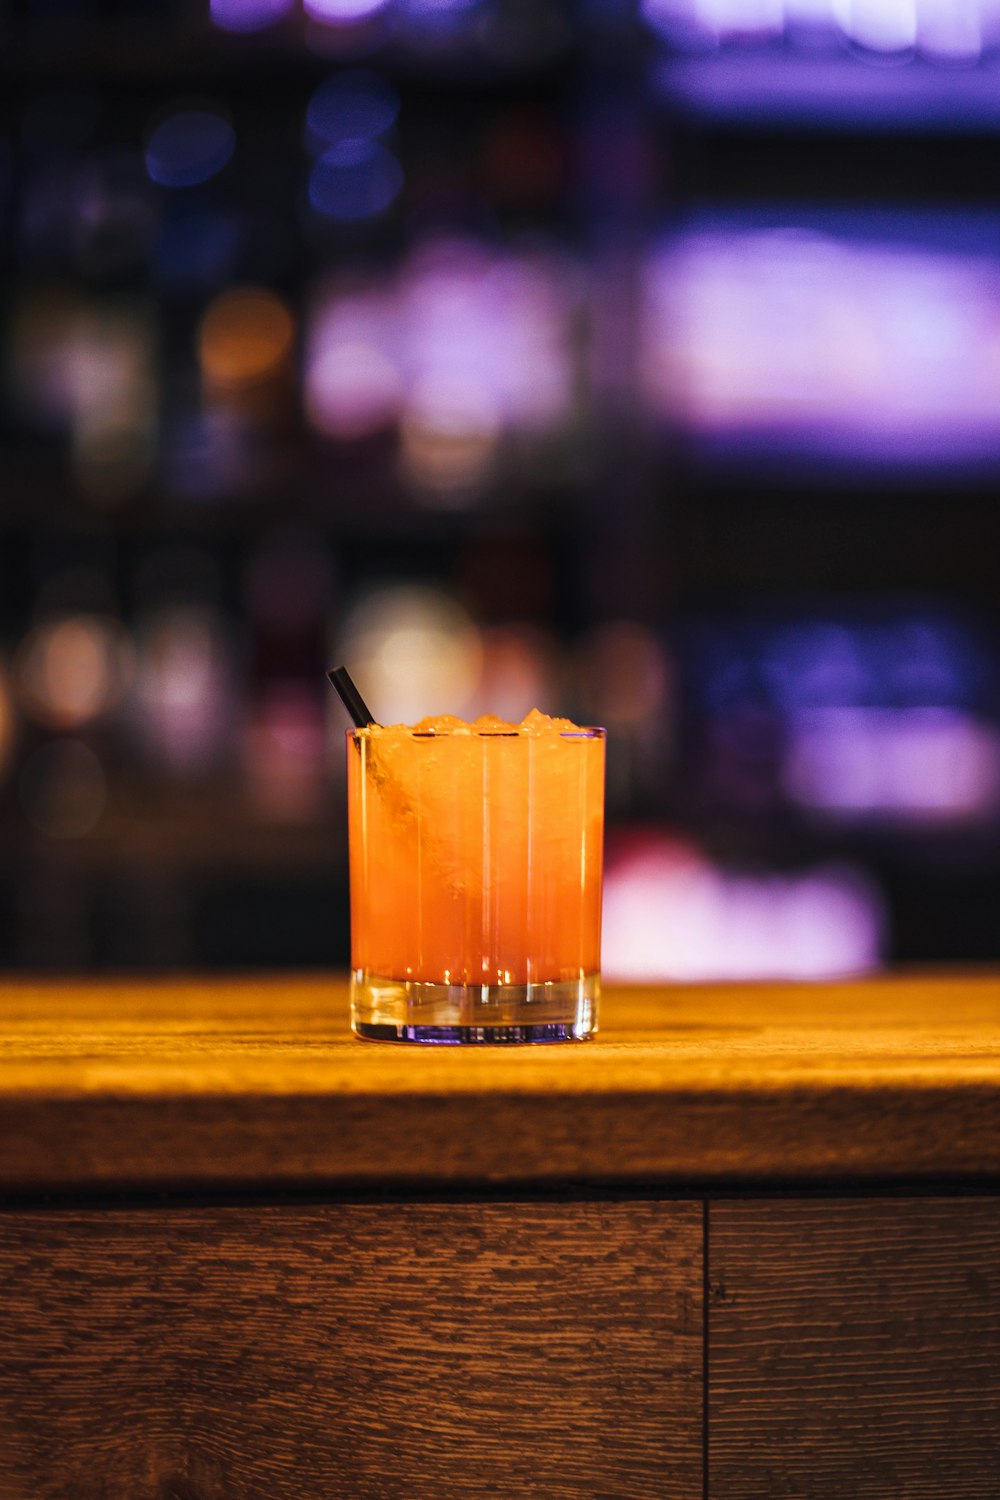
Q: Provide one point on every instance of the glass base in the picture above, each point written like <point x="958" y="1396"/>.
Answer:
<point x="409" y="1010"/>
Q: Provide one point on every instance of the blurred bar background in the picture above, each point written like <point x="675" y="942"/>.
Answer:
<point x="635" y="361"/>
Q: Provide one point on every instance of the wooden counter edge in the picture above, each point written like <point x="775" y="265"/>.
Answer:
<point x="829" y="1134"/>
<point x="242" y="1084"/>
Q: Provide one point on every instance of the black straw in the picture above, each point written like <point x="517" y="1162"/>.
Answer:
<point x="350" y="697"/>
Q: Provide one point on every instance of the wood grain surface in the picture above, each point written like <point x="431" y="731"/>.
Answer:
<point x="352" y="1352"/>
<point x="259" y="1082"/>
<point x="854" y="1349"/>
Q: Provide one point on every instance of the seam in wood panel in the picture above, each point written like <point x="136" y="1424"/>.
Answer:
<point x="569" y="1190"/>
<point x="854" y="1348"/>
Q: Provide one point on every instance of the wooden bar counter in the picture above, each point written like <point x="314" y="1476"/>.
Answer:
<point x="746" y="1242"/>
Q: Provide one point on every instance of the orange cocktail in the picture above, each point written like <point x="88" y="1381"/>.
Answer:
<point x="476" y="860"/>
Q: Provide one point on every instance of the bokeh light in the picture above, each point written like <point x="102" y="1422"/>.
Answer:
<point x="464" y="347"/>
<point x="494" y="322"/>
<point x="352" y="380"/>
<point x="894" y="28"/>
<point x="343" y="12"/>
<point x="879" y="25"/>
<point x="351" y="105"/>
<point x="450" y="431"/>
<point x="354" y="179"/>
<point x="670" y="913"/>
<point x="861" y="339"/>
<point x="184" y="705"/>
<point x="115" y="420"/>
<point x="413" y="651"/>
<point x="42" y="336"/>
<point x="189" y="147"/>
<point x="88" y="368"/>
<point x="520" y="670"/>
<point x="353" y="391"/>
<point x="624" y="675"/>
<point x="908" y="765"/>
<point x="883" y="716"/>
<point x="483" y="354"/>
<point x="246" y="335"/>
<point x="69" y="671"/>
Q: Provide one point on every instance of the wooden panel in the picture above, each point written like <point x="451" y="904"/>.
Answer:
<point x="259" y="1082"/>
<point x="854" y="1349"/>
<point x="354" y="1351"/>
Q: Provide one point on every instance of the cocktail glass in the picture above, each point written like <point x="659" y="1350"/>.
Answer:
<point x="475" y="868"/>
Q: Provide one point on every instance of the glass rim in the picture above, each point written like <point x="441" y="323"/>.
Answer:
<point x="516" y="731"/>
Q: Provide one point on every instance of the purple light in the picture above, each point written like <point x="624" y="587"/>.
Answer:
<point x="887" y="718"/>
<point x="431" y="9"/>
<point x="955" y="32"/>
<point x="917" y="765"/>
<point x="845" y="338"/>
<point x="880" y="25"/>
<point x="352" y="383"/>
<point x="490" y="324"/>
<point x="671" y="914"/>
<point x="189" y="147"/>
<point x="248" y="15"/>
<point x="184" y="706"/>
<point x="832" y="91"/>
<point x="704" y="23"/>
<point x="885" y="27"/>
<point x="342" y="12"/>
<point x="458" y="345"/>
<point x="353" y="180"/>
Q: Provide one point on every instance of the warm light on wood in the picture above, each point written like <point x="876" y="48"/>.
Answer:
<point x="259" y="1081"/>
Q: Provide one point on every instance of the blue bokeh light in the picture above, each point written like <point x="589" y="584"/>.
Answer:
<point x="355" y="179"/>
<point x="354" y="105"/>
<point x="189" y="147"/>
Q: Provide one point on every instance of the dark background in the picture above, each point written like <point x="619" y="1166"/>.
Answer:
<point x="183" y="552"/>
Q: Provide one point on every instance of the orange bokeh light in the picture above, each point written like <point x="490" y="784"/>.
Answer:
<point x="246" y="337"/>
<point x="72" y="670"/>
